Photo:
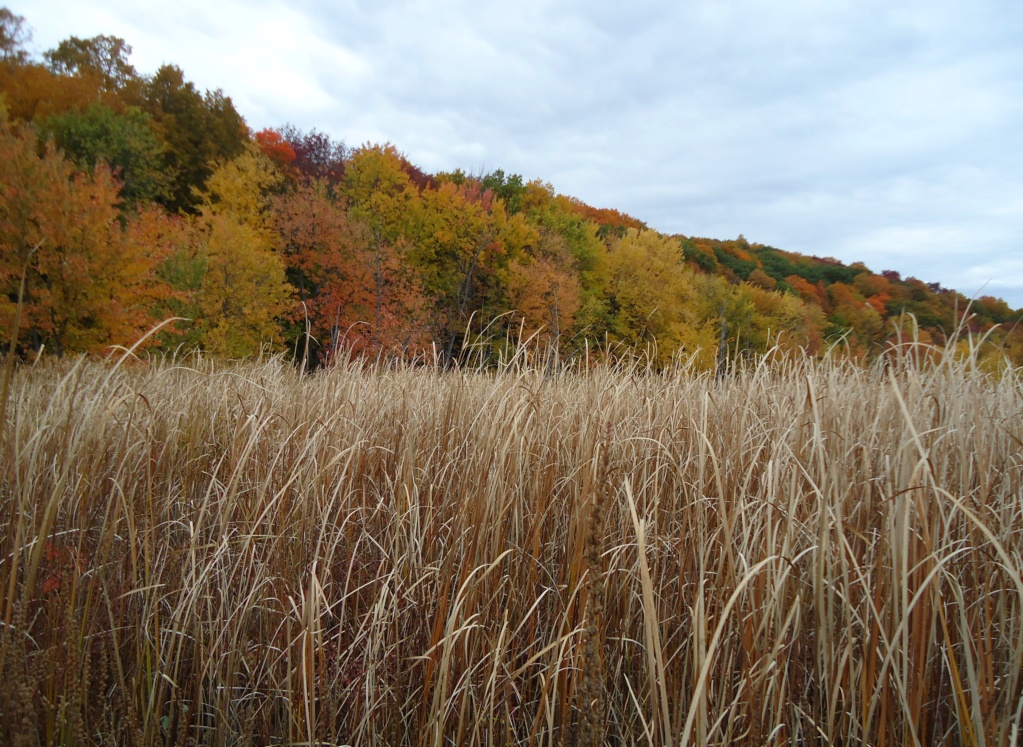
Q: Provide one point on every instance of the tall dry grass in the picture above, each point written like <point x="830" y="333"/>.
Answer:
<point x="803" y="552"/>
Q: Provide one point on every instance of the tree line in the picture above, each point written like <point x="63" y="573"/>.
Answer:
<point x="128" y="199"/>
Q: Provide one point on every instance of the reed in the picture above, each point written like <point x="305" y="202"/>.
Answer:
<point x="801" y="552"/>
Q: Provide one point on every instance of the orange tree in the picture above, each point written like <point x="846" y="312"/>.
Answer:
<point x="89" y="283"/>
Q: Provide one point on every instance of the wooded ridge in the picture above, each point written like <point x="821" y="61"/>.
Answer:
<point x="127" y="199"/>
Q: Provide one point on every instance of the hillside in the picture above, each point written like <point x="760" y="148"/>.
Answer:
<point x="129" y="199"/>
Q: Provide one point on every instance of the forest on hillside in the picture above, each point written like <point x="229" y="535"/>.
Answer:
<point x="130" y="199"/>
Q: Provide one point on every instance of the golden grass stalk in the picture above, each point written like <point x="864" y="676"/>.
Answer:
<point x="802" y="551"/>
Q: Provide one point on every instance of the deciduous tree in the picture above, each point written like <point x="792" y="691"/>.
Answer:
<point x="354" y="290"/>
<point x="316" y="155"/>
<point x="33" y="93"/>
<point x="14" y="35"/>
<point x="199" y="131"/>
<point x="543" y="288"/>
<point x="88" y="284"/>
<point x="278" y="150"/>
<point x="124" y="141"/>
<point x="465" y="239"/>
<point x="103" y="56"/>
<point x="243" y="292"/>
<point x="646" y="289"/>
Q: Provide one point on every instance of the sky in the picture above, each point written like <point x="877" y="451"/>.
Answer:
<point x="885" y="132"/>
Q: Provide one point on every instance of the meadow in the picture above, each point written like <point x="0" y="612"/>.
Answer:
<point x="800" y="552"/>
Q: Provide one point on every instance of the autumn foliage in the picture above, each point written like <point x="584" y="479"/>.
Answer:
<point x="126" y="199"/>
<point x="89" y="272"/>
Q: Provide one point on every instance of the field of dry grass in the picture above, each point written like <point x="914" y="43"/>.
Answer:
<point x="800" y="553"/>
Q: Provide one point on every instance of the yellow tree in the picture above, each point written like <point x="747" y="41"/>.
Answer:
<point x="380" y="193"/>
<point x="466" y="238"/>
<point x="243" y="292"/>
<point x="700" y="338"/>
<point x="559" y="266"/>
<point x="647" y="292"/>
<point x="781" y="320"/>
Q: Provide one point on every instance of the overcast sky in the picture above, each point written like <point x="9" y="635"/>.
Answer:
<point x="886" y="132"/>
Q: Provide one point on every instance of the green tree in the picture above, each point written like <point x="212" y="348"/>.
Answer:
<point x="124" y="141"/>
<point x="103" y="56"/>
<point x="199" y="132"/>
